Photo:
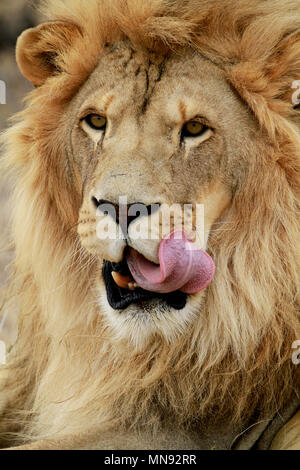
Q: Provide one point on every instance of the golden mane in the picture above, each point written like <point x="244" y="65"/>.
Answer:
<point x="237" y="361"/>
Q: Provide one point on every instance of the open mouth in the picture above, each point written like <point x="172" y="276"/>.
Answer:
<point x="120" y="298"/>
<point x="183" y="269"/>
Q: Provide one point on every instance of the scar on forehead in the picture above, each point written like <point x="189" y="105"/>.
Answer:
<point x="108" y="102"/>
<point x="182" y="110"/>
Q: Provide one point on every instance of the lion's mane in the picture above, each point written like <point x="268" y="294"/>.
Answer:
<point x="237" y="360"/>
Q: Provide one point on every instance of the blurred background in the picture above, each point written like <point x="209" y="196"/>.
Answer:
<point x="15" y="16"/>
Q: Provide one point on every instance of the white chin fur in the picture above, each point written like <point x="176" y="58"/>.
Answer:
<point x="138" y="325"/>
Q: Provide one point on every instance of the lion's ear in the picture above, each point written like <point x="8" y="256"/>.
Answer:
<point x="40" y="49"/>
<point x="284" y="69"/>
<point x="270" y="86"/>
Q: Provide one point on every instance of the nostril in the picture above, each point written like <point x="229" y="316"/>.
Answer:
<point x="124" y="214"/>
<point x="153" y="208"/>
<point x="106" y="208"/>
<point x="139" y="209"/>
<point x="95" y="202"/>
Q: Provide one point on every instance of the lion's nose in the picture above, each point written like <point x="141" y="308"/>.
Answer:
<point x="124" y="214"/>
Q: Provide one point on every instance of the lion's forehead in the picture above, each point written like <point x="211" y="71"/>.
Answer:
<point x="143" y="82"/>
<point x="147" y="98"/>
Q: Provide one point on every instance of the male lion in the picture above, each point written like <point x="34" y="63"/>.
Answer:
<point x="164" y="102"/>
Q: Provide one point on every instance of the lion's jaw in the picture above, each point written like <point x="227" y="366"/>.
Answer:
<point x="142" y="158"/>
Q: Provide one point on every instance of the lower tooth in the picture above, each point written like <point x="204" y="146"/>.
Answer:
<point x="133" y="285"/>
<point x="125" y="282"/>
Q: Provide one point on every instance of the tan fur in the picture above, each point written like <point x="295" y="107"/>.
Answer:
<point x="288" y="437"/>
<point x="71" y="371"/>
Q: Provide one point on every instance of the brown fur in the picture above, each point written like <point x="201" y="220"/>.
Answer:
<point x="65" y="374"/>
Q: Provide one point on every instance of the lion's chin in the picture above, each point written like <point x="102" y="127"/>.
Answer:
<point x="139" y="322"/>
<point x="137" y="316"/>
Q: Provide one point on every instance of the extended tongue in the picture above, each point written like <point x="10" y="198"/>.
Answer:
<point x="182" y="266"/>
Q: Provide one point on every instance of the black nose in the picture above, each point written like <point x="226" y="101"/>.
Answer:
<point x="124" y="214"/>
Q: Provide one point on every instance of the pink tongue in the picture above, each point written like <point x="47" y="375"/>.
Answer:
<point x="182" y="266"/>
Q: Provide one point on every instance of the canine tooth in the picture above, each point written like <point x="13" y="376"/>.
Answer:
<point x="121" y="281"/>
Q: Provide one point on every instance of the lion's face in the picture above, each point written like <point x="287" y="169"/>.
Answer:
<point x="155" y="131"/>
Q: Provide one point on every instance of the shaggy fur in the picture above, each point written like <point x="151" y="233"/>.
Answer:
<point x="66" y="373"/>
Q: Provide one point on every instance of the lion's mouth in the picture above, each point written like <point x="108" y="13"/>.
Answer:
<point x="121" y="298"/>
<point x="183" y="269"/>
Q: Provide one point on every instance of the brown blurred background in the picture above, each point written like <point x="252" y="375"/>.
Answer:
<point x="15" y="16"/>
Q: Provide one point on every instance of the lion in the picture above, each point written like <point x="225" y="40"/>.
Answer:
<point x="162" y="102"/>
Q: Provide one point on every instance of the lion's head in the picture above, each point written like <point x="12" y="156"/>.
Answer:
<point x="158" y="131"/>
<point x="162" y="103"/>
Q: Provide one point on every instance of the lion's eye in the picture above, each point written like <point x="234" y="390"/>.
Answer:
<point x="193" y="129"/>
<point x="96" y="121"/>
